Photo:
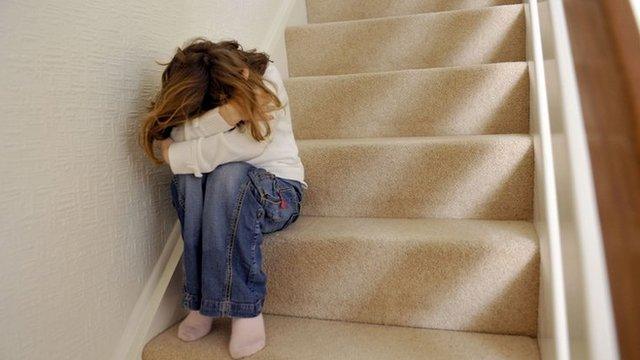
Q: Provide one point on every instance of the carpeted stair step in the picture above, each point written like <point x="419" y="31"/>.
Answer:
<point x="454" y="38"/>
<point x="340" y="10"/>
<point x="471" y="275"/>
<point x="411" y="119"/>
<point x="297" y="338"/>
<point x="479" y="99"/>
<point x="480" y="176"/>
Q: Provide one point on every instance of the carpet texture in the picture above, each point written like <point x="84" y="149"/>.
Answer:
<point x="308" y="339"/>
<point x="479" y="177"/>
<point x="415" y="240"/>
<point x="411" y="272"/>
<point x="340" y="10"/>
<point x="473" y="100"/>
<point x="456" y="38"/>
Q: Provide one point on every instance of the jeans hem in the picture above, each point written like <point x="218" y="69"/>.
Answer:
<point x="222" y="308"/>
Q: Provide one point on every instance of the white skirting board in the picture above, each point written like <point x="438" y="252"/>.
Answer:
<point x="135" y="335"/>
<point x="158" y="306"/>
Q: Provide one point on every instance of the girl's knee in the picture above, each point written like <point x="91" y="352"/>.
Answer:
<point x="229" y="176"/>
<point x="235" y="166"/>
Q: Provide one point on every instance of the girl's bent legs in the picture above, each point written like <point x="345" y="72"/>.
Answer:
<point x="233" y="283"/>
<point x="187" y="196"/>
<point x="223" y="216"/>
<point x="187" y="192"/>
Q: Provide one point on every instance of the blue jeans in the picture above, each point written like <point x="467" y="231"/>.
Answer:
<point x="223" y="215"/>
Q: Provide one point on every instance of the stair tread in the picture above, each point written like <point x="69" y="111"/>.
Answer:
<point x="342" y="10"/>
<point x="493" y="233"/>
<point x="468" y="100"/>
<point x="408" y="272"/>
<point x="303" y="338"/>
<point x="411" y="243"/>
<point x="491" y="35"/>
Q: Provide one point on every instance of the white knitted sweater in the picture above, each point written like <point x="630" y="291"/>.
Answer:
<point x="208" y="141"/>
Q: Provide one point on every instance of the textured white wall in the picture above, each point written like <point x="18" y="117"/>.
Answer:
<point x="84" y="215"/>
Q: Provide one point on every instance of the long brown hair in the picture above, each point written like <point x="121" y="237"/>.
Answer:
<point x="203" y="76"/>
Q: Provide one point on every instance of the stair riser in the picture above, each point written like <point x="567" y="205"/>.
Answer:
<point x="488" y="99"/>
<point x="488" y="177"/>
<point x="472" y="285"/>
<point x="340" y="10"/>
<point x="413" y="42"/>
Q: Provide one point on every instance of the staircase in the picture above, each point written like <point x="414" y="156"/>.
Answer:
<point x="415" y="241"/>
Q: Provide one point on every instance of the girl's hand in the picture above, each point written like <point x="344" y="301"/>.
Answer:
<point x="164" y="146"/>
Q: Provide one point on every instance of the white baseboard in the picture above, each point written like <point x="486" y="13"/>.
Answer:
<point x="170" y="310"/>
<point x="134" y="336"/>
<point x="294" y="14"/>
<point x="158" y="306"/>
<point x="282" y="19"/>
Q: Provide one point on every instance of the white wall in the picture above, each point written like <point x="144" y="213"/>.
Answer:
<point x="84" y="215"/>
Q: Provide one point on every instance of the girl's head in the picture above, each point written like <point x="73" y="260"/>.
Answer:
<point x="203" y="76"/>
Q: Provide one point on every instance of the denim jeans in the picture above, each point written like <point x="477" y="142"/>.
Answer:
<point x="224" y="215"/>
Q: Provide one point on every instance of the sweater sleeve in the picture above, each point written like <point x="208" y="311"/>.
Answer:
<point x="203" y="155"/>
<point x="206" y="147"/>
<point x="207" y="124"/>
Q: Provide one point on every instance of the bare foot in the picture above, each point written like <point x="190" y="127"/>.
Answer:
<point x="247" y="336"/>
<point x="194" y="326"/>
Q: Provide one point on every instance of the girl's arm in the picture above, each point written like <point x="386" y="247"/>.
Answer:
<point x="207" y="124"/>
<point x="203" y="155"/>
<point x="212" y="122"/>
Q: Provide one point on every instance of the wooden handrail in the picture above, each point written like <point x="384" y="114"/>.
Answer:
<point x="606" y="50"/>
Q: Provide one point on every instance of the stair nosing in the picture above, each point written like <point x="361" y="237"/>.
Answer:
<point x="409" y="327"/>
<point x="391" y="140"/>
<point x="459" y="68"/>
<point x="531" y="237"/>
<point x="385" y="18"/>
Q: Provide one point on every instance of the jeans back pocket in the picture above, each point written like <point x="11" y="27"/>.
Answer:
<point x="280" y="199"/>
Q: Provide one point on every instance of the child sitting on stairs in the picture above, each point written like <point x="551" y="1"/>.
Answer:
<point x="222" y="122"/>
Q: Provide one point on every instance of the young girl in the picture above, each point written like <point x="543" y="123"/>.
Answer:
<point x="222" y="123"/>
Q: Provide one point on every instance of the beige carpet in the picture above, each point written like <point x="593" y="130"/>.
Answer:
<point x="415" y="241"/>
<point x="340" y="10"/>
<point x="473" y="100"/>
<point x="411" y="272"/>
<point x="455" y="38"/>
<point x="480" y="177"/>
<point x="307" y="339"/>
